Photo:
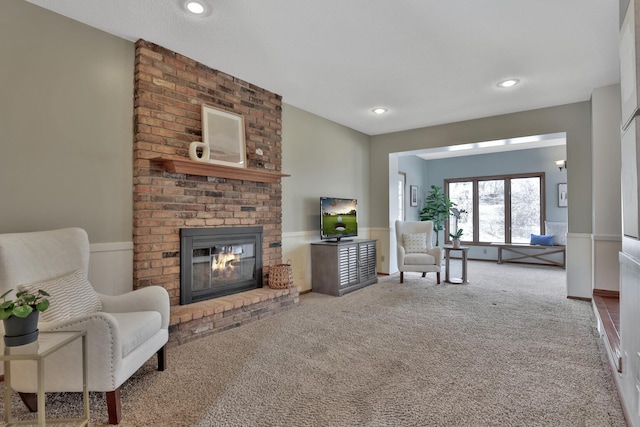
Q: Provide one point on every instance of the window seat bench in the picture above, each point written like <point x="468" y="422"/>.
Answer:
<point x="524" y="251"/>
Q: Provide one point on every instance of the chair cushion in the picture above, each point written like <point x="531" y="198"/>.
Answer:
<point x="136" y="328"/>
<point x="419" y="259"/>
<point x="541" y="240"/>
<point x="415" y="243"/>
<point x="70" y="296"/>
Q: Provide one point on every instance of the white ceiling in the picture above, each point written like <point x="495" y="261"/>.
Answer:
<point x="488" y="147"/>
<point x="427" y="61"/>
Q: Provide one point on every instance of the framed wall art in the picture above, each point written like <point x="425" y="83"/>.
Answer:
<point x="413" y="195"/>
<point x="223" y="133"/>
<point x="562" y="196"/>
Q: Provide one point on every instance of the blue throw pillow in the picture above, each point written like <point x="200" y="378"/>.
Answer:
<point x="542" y="240"/>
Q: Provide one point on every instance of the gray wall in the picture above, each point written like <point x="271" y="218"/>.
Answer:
<point x="323" y="159"/>
<point x="416" y="171"/>
<point x="574" y="119"/>
<point x="67" y="121"/>
<point x="66" y="117"/>
<point x="607" y="215"/>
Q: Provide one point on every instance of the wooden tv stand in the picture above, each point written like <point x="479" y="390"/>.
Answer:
<point x="341" y="267"/>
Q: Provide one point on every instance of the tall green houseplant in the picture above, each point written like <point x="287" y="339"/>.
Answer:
<point x="437" y="208"/>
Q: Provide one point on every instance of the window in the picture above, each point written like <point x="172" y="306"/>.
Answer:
<point x="402" y="179"/>
<point x="504" y="209"/>
<point x="526" y="215"/>
<point x="461" y="193"/>
<point x="491" y="211"/>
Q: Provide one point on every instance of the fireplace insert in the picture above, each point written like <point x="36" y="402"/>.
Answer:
<point x="219" y="261"/>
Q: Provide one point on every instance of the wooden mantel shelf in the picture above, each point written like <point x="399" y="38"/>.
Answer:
<point x="178" y="165"/>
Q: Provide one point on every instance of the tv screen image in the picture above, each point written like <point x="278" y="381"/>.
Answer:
<point x="338" y="218"/>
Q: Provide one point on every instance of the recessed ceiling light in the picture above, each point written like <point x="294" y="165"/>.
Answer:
<point x="195" y="7"/>
<point x="380" y="110"/>
<point x="508" y="83"/>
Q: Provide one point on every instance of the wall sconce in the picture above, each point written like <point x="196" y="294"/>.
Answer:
<point x="561" y="164"/>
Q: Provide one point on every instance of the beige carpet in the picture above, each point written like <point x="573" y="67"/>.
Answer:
<point x="507" y="350"/>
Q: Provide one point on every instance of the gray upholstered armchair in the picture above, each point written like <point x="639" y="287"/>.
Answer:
<point x="415" y="248"/>
<point x="123" y="331"/>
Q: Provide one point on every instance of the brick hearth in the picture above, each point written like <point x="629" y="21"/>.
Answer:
<point x="219" y="314"/>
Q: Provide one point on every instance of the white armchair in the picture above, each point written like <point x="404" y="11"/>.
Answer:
<point x="123" y="331"/>
<point x="415" y="248"/>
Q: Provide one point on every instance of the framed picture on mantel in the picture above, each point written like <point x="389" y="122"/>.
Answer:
<point x="223" y="132"/>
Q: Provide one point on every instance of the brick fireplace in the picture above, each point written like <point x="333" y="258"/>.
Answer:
<point x="169" y="92"/>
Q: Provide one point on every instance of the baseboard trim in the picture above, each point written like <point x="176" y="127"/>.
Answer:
<point x="579" y="298"/>
<point x="605" y="293"/>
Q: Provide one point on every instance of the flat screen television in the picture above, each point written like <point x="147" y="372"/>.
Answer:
<point x="338" y="218"/>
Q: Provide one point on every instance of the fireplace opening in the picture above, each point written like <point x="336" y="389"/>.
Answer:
<point x="219" y="261"/>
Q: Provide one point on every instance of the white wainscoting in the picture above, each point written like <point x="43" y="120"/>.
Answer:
<point x="629" y="380"/>
<point x="111" y="267"/>
<point x="579" y="265"/>
<point x="111" y="264"/>
<point x="296" y="248"/>
<point x="606" y="265"/>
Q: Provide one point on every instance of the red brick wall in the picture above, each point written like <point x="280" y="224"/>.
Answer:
<point x="169" y="92"/>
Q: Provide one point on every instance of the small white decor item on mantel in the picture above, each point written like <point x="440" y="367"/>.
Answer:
<point x="199" y="152"/>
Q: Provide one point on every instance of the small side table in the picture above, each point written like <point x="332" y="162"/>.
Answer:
<point x="47" y="343"/>
<point x="463" y="280"/>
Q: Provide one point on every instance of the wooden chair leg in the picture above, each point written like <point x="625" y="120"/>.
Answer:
<point x="438" y="277"/>
<point x="162" y="358"/>
<point x="113" y="406"/>
<point x="30" y="400"/>
<point x="402" y="277"/>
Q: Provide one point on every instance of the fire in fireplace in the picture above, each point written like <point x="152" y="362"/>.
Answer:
<point x="219" y="261"/>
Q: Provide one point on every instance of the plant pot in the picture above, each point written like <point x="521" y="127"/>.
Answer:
<point x="21" y="331"/>
<point x="456" y="243"/>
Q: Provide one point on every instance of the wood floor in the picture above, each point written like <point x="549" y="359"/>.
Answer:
<point x="607" y="308"/>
